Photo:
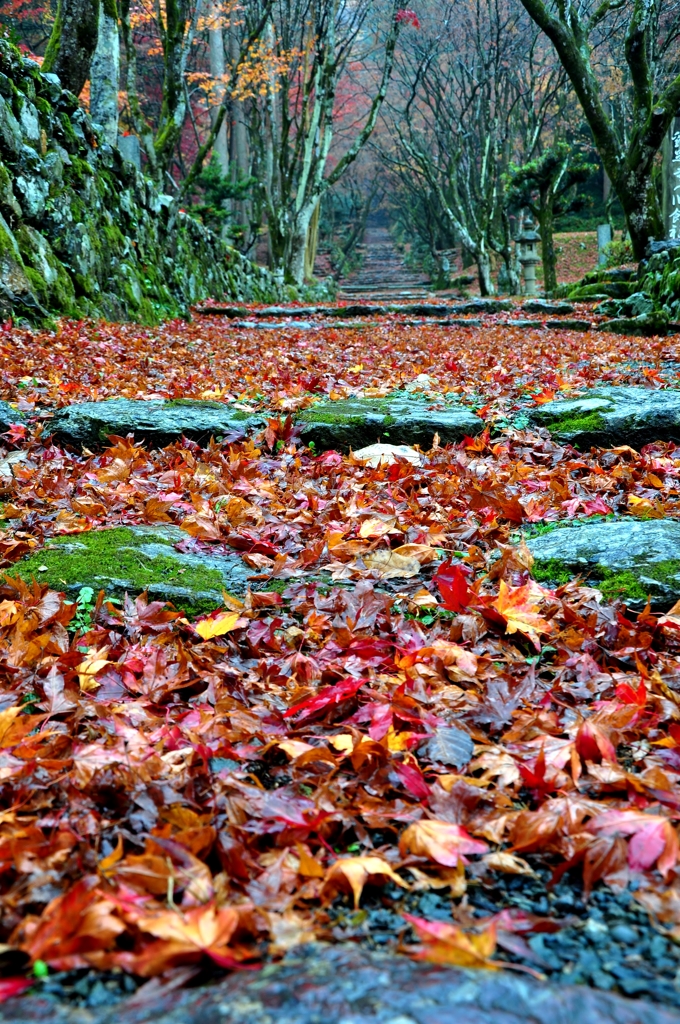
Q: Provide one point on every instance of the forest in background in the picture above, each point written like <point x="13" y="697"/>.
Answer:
<point x="284" y="124"/>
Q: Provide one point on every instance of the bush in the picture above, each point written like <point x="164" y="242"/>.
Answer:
<point x="618" y="253"/>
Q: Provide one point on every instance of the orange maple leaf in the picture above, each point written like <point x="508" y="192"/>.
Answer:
<point x="518" y="607"/>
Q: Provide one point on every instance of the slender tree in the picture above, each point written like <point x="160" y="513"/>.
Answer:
<point x="476" y="91"/>
<point x="294" y="123"/>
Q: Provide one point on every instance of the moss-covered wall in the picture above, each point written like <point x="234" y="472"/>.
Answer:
<point x="82" y="232"/>
<point x="660" y="278"/>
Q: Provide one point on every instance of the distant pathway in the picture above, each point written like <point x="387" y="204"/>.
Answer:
<point x="383" y="277"/>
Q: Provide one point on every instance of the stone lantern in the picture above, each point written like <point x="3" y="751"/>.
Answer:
<point x="528" y="256"/>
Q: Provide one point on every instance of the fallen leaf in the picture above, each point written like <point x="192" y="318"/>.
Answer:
<point x="218" y="625"/>
<point x="356" y="872"/>
<point x="450" y="944"/>
<point x="439" y="841"/>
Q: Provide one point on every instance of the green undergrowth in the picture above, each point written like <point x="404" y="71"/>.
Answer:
<point x="551" y="570"/>
<point x="120" y="560"/>
<point x="626" y="583"/>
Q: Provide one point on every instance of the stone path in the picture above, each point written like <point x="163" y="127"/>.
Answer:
<point x="383" y="275"/>
<point x="346" y="985"/>
<point x="159" y="422"/>
<point x="399" y="418"/>
<point x="605" y="416"/>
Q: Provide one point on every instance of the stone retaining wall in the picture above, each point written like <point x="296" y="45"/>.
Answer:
<point x="83" y="233"/>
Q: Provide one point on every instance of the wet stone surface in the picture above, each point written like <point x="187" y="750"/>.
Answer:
<point x="8" y="416"/>
<point x="157" y="422"/>
<point x="550" y="308"/>
<point x="398" y="418"/>
<point x="615" y="415"/>
<point x="349" y="985"/>
<point x="625" y="558"/>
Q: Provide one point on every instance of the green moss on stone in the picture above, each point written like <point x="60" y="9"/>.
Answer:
<point x="348" y="411"/>
<point x="626" y="583"/>
<point x="196" y="402"/>
<point x="623" y="584"/>
<point x="38" y="286"/>
<point x="577" y="423"/>
<point x="117" y="554"/>
<point x="551" y="570"/>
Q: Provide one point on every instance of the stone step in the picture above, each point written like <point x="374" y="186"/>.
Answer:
<point x="613" y="415"/>
<point x="631" y="559"/>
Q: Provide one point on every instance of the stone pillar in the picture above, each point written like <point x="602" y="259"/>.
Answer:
<point x="671" y="180"/>
<point x="529" y="257"/>
<point x="105" y="77"/>
<point x="129" y="150"/>
<point x="604" y="237"/>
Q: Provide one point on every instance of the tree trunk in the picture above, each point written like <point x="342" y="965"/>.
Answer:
<point x="630" y="170"/>
<point x="545" y="228"/>
<point x="312" y="243"/>
<point x="105" y="73"/>
<point x="217" y="70"/>
<point x="72" y="43"/>
<point x="640" y="202"/>
<point x="296" y="246"/>
<point x="240" y="164"/>
<point x="486" y="285"/>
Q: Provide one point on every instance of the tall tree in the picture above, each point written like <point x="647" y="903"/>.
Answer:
<point x="72" y="42"/>
<point x="294" y="123"/>
<point x="218" y="73"/>
<point x="476" y="89"/>
<point x="644" y="34"/>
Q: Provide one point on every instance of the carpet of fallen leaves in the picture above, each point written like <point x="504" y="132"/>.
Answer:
<point x="576" y="254"/>
<point x="177" y="794"/>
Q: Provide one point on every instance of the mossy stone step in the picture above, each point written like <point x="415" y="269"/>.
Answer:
<point x="157" y="421"/>
<point x="624" y="558"/>
<point x="132" y="559"/>
<point x="398" y="418"/>
<point x="8" y="416"/>
<point x="616" y="415"/>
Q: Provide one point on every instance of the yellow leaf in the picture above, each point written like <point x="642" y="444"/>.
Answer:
<point x="6" y="722"/>
<point x="94" y="661"/>
<point x="449" y="944"/>
<point x="309" y="866"/>
<point x="440" y="841"/>
<point x="294" y="748"/>
<point x="509" y="863"/>
<point x="645" y="507"/>
<point x="106" y="864"/>
<point x="356" y="872"/>
<point x="344" y="743"/>
<point x="217" y="626"/>
<point x="376" y="527"/>
<point x="392" y="564"/>
<point x="8" y="613"/>
<point x="397" y="740"/>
